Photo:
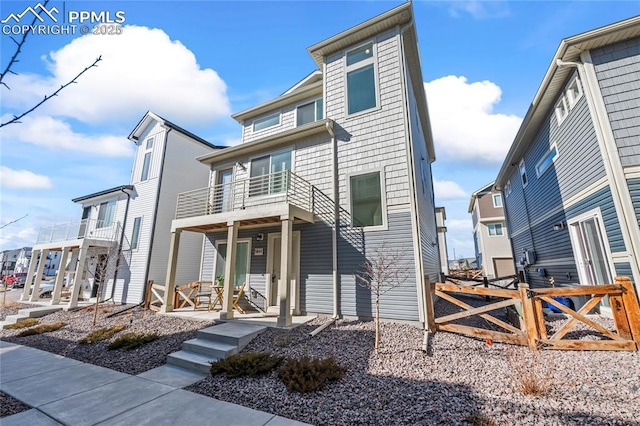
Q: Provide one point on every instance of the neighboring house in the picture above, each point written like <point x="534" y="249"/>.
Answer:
<point x="22" y="261"/>
<point x="441" y="216"/>
<point x="493" y="249"/>
<point x="122" y="235"/>
<point x="327" y="173"/>
<point x="8" y="260"/>
<point x="571" y="180"/>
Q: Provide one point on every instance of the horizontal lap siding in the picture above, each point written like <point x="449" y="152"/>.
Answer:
<point x="618" y="70"/>
<point x="634" y="190"/>
<point x="355" y="248"/>
<point x="623" y="270"/>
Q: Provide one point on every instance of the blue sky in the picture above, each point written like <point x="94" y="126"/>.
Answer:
<point x="197" y="62"/>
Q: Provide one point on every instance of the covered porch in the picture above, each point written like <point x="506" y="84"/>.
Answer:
<point x="277" y="200"/>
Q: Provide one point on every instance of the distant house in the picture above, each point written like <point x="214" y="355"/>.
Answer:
<point x="8" y="260"/>
<point x="22" y="261"/>
<point x="121" y="239"/>
<point x="441" y="216"/>
<point x="493" y="249"/>
<point x="326" y="174"/>
<point x="571" y="180"/>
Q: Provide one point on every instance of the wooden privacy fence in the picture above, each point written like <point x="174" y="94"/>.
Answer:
<point x="533" y="330"/>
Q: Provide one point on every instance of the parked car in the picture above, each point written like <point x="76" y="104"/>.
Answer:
<point x="46" y="289"/>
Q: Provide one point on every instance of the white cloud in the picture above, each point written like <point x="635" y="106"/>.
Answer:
<point x="141" y="69"/>
<point x="447" y="190"/>
<point x="465" y="225"/>
<point x="23" y="179"/>
<point x="464" y="124"/>
<point x="56" y="134"/>
<point x="478" y="9"/>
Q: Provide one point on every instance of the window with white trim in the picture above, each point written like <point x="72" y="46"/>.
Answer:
<point x="523" y="173"/>
<point x="106" y="213"/>
<point x="547" y="160"/>
<point x="497" y="200"/>
<point x="267" y="174"/>
<point x="135" y="234"/>
<point x="266" y="122"/>
<point x="309" y="112"/>
<point x="366" y="199"/>
<point x="361" y="79"/>
<point x="562" y="111"/>
<point x="495" y="229"/>
<point x="146" y="162"/>
<point x="242" y="264"/>
<point x="507" y="189"/>
<point x="574" y="92"/>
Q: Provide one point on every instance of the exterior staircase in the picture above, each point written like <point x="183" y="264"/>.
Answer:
<point x="214" y="343"/>
<point x="23" y="314"/>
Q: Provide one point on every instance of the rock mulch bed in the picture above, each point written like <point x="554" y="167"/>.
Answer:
<point x="12" y="308"/>
<point x="65" y="341"/>
<point x="10" y="406"/>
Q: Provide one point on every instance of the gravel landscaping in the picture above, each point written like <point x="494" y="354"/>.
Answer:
<point x="459" y="380"/>
<point x="10" y="406"/>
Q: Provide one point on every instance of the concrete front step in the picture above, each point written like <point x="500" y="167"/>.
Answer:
<point x="234" y="333"/>
<point x="191" y="361"/>
<point x="210" y="348"/>
<point x="39" y="312"/>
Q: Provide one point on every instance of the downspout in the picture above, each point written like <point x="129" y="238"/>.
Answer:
<point x="155" y="210"/>
<point x="336" y="218"/>
<point x="124" y="225"/>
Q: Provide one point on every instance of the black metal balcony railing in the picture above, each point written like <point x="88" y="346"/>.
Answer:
<point x="85" y="228"/>
<point x="279" y="187"/>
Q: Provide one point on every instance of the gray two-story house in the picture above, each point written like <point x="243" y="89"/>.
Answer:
<point x="571" y="180"/>
<point x="327" y="173"/>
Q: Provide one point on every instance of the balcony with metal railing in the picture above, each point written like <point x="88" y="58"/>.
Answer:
<point x="85" y="228"/>
<point x="253" y="198"/>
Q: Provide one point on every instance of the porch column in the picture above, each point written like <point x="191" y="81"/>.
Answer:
<point x="77" y="279"/>
<point x="38" y="278"/>
<point x="170" y="282"/>
<point x="284" y="285"/>
<point x="29" y="278"/>
<point x="229" y="271"/>
<point x="57" y="289"/>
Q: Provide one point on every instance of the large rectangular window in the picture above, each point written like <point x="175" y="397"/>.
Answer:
<point x="135" y="234"/>
<point x="308" y="113"/>
<point x="266" y="176"/>
<point x="495" y="229"/>
<point x="241" y="270"/>
<point x="361" y="79"/>
<point x="145" y="167"/>
<point x="366" y="200"/>
<point x="106" y="213"/>
<point x="546" y="161"/>
<point x="265" y="122"/>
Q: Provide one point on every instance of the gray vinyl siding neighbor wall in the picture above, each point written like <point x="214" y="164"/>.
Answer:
<point x="618" y="71"/>
<point x="634" y="190"/>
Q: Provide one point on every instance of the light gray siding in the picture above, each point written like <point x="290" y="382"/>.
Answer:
<point x="618" y="70"/>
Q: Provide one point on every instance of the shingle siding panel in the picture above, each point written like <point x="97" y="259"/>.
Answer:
<point x="618" y="73"/>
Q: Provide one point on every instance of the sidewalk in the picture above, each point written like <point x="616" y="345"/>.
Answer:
<point x="69" y="392"/>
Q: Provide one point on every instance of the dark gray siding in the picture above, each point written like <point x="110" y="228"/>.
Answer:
<point x="355" y="247"/>
<point x="618" y="70"/>
<point x="624" y="270"/>
<point x="634" y="190"/>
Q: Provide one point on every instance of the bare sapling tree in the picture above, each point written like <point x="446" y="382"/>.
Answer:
<point x="14" y="60"/>
<point x="382" y="272"/>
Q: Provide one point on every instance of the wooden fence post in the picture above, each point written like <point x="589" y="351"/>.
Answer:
<point x="529" y="314"/>
<point x="147" y="295"/>
<point x="631" y="306"/>
<point x="430" y="315"/>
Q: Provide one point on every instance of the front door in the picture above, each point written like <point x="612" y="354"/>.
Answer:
<point x="274" y="256"/>
<point x="589" y="248"/>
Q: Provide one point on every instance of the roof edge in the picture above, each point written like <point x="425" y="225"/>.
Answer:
<point x="104" y="192"/>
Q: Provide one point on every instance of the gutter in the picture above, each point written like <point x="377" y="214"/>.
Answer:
<point x="336" y="223"/>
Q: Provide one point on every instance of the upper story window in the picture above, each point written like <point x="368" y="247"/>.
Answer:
<point x="574" y="92"/>
<point x="309" y="112"/>
<point x="547" y="160"/>
<point x="562" y="111"/>
<point x="106" y="213"/>
<point x="495" y="229"/>
<point x="146" y="163"/>
<point x="266" y="122"/>
<point x="135" y="234"/>
<point x="367" y="200"/>
<point x="361" y="79"/>
<point x="497" y="200"/>
<point x="507" y="189"/>
<point x="267" y="175"/>
<point x="523" y="173"/>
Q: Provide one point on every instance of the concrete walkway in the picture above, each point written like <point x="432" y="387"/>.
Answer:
<point x="69" y="392"/>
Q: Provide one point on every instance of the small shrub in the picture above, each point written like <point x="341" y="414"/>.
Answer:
<point x="247" y="364"/>
<point x="132" y="340"/>
<point x="532" y="375"/>
<point x="309" y="374"/>
<point x="29" y="322"/>
<point x="102" y="334"/>
<point x="44" y="328"/>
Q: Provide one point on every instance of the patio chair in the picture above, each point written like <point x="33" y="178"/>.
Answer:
<point x="203" y="296"/>
<point x="237" y="295"/>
